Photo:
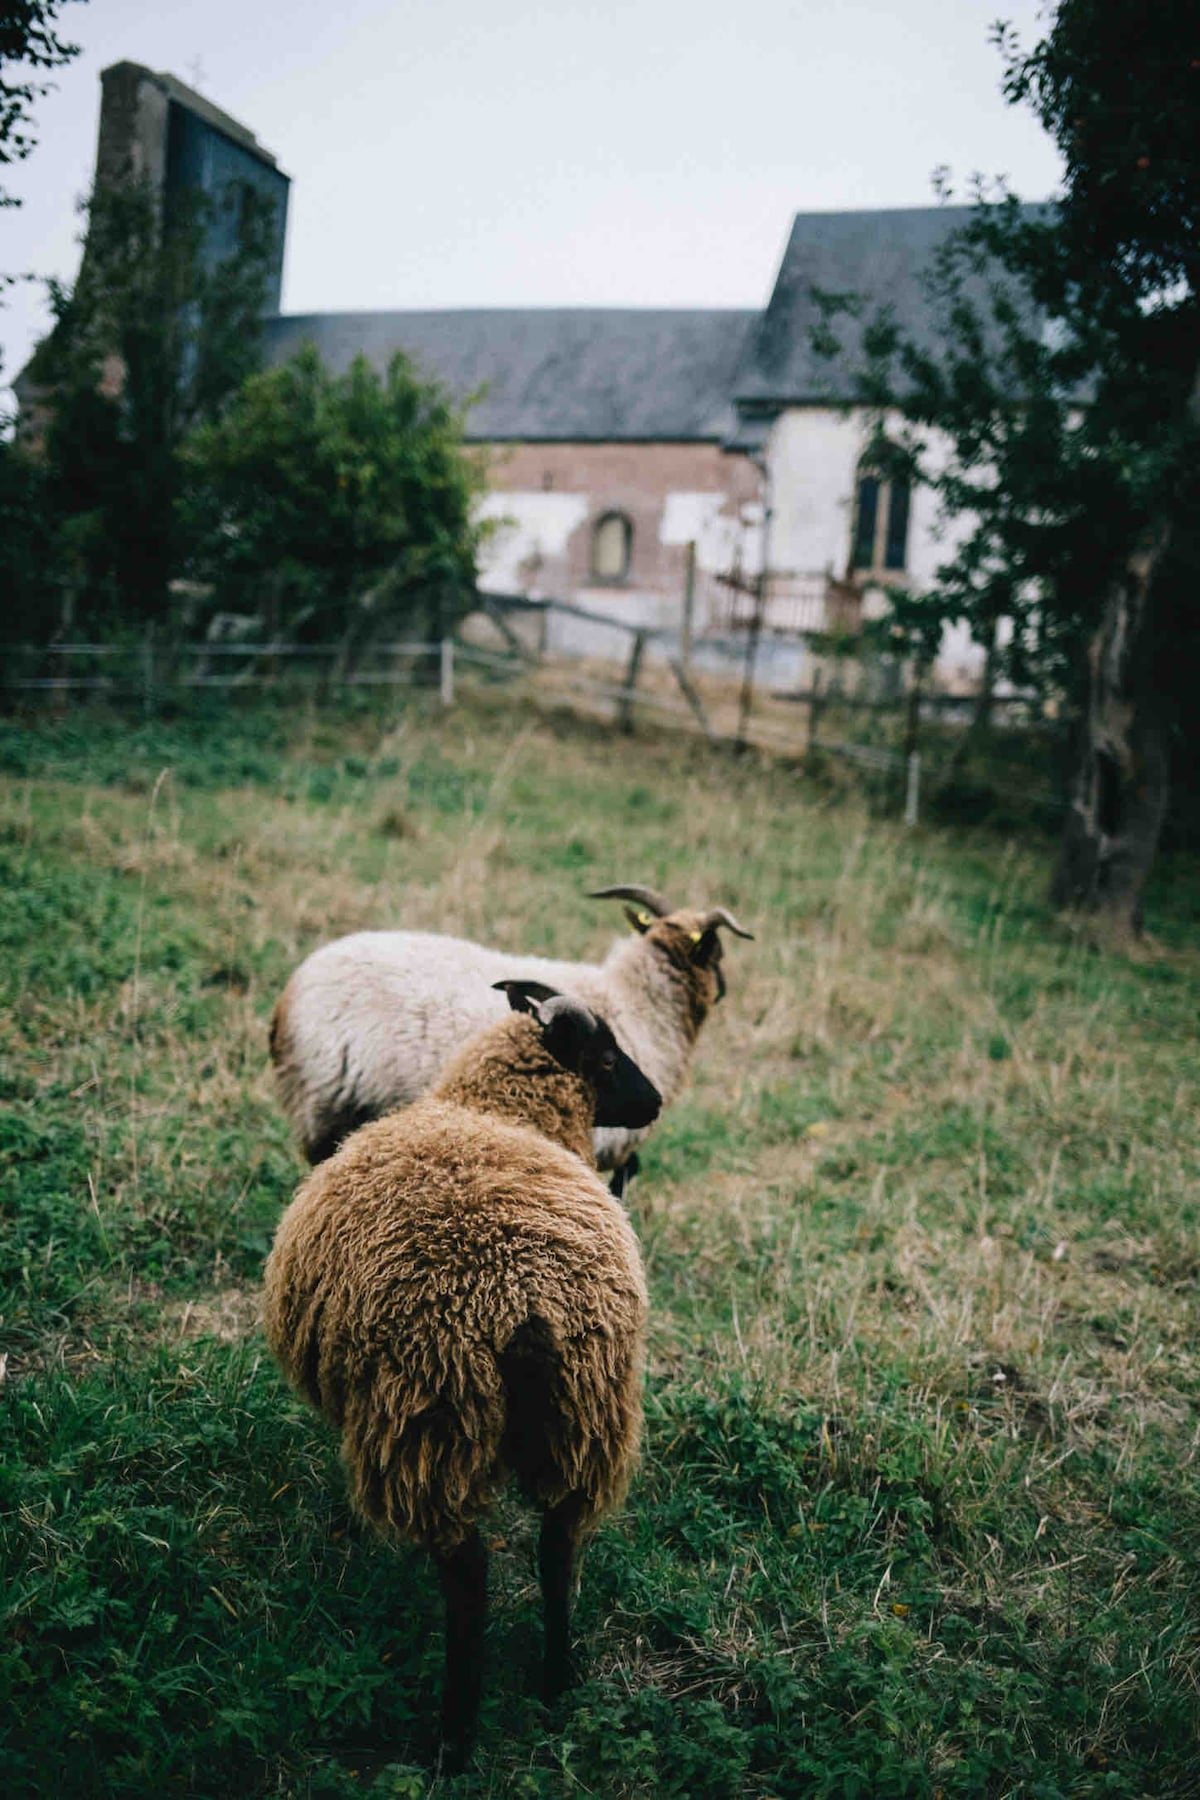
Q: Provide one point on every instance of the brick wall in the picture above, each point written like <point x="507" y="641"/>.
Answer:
<point x="670" y="493"/>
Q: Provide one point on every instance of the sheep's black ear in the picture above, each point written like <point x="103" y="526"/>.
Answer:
<point x="568" y="1030"/>
<point x="706" y="946"/>
<point x="523" y="996"/>
<point x="706" y="953"/>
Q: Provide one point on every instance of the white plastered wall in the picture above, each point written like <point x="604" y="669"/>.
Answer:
<point x="706" y="520"/>
<point x="813" y="454"/>
<point x="527" y="527"/>
<point x="533" y="526"/>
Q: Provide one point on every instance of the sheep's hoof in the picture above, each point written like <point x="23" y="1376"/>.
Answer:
<point x="624" y="1175"/>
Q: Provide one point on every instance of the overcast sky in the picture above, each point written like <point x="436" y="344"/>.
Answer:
<point x="502" y="153"/>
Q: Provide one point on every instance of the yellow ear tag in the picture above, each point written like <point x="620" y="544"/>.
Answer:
<point x="645" y="918"/>
<point x="695" y="936"/>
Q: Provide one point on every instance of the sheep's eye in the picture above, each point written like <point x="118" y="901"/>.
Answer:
<point x="608" y="1061"/>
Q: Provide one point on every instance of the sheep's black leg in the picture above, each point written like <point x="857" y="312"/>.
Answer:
<point x="624" y="1175"/>
<point x="464" y="1586"/>
<point x="558" y="1552"/>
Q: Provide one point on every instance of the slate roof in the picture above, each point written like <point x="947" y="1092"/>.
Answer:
<point x="879" y="255"/>
<point x="578" y="375"/>
<point x="605" y="375"/>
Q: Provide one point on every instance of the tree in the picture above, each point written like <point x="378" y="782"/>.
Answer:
<point x="28" y="546"/>
<point x="29" y="42"/>
<point x="29" y="47"/>
<point x="1121" y="97"/>
<point x="1059" y="421"/>
<point x="337" y="504"/>
<point x="154" y="338"/>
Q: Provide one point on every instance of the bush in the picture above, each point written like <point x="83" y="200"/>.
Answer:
<point x="316" y="493"/>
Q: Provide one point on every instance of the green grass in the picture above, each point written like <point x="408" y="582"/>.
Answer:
<point x="919" y="1512"/>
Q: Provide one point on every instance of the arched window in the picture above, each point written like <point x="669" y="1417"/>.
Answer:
<point x="881" y="509"/>
<point x="612" y="547"/>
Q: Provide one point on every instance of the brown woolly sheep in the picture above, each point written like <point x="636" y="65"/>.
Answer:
<point x="459" y="1294"/>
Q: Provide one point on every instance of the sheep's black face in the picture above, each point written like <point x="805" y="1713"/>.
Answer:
<point x="581" y="1042"/>
<point x="624" y="1096"/>
<point x="585" y="1045"/>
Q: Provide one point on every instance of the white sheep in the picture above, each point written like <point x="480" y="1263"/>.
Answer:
<point x="463" y="1300"/>
<point x="367" y="1022"/>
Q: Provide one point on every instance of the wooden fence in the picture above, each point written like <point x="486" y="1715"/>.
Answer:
<point x="652" y="677"/>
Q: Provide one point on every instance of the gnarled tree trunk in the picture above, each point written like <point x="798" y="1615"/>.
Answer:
<point x="1122" y="785"/>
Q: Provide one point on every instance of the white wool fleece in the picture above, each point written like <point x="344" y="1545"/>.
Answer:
<point x="366" y="1023"/>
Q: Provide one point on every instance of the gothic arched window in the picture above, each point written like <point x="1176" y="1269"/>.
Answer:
<point x="881" y="508"/>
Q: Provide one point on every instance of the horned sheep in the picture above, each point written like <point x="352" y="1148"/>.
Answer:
<point x="460" y="1295"/>
<point x="367" y="1022"/>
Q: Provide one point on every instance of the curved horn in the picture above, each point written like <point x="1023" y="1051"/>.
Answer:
<point x="645" y="896"/>
<point x="721" y="915"/>
<point x="523" y="995"/>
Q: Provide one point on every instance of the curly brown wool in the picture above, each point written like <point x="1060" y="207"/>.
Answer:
<point x="463" y="1299"/>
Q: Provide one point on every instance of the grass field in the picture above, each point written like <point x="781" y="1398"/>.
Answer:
<point x="920" y="1506"/>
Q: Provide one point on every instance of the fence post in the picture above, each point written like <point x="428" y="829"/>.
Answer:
<point x="447" y="671"/>
<point x="692" y="697"/>
<point x="625" y="703"/>
<point x="689" y="611"/>
<point x="912" y="794"/>
<point x="746" y="698"/>
<point x="814" y="710"/>
<point x="912" y="754"/>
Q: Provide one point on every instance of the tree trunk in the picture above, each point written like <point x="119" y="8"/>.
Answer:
<point x="363" y="623"/>
<point x="1121" y="788"/>
<point x="985" y="700"/>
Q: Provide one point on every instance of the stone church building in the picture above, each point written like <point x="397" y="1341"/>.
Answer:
<point x="618" y="439"/>
<point x="634" y="454"/>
